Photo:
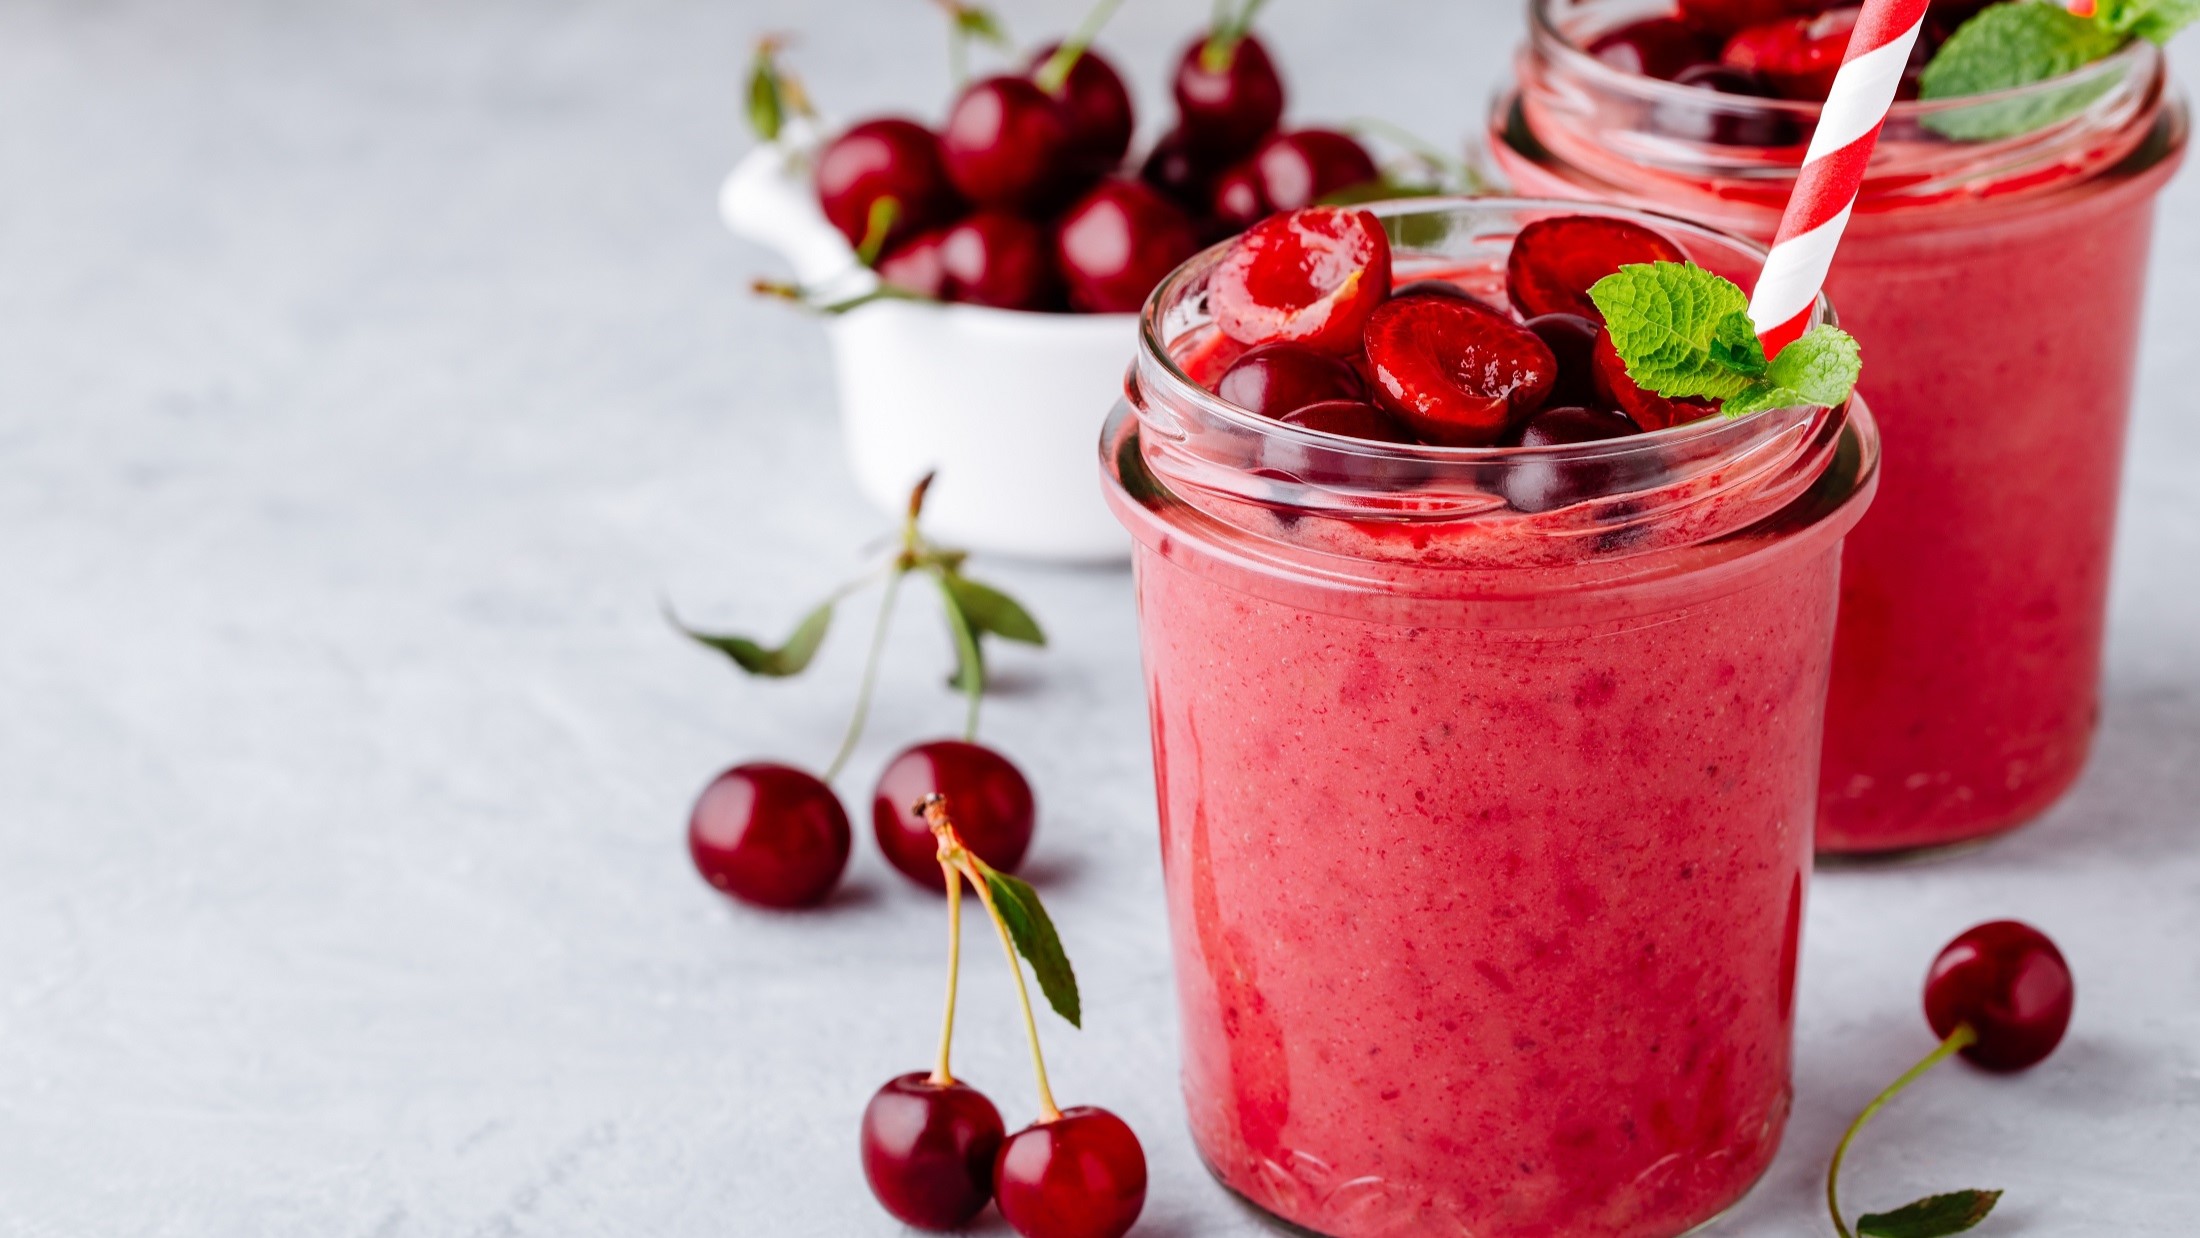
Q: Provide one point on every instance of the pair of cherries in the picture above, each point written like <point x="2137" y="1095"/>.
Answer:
<point x="776" y="836"/>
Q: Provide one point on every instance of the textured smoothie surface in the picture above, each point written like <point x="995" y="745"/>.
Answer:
<point x="1484" y="928"/>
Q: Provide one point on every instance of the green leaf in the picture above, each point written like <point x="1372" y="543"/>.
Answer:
<point x="2159" y="20"/>
<point x="1930" y="1218"/>
<point x="792" y="657"/>
<point x="2017" y="44"/>
<point x="767" y="107"/>
<point x="1033" y="932"/>
<point x="1682" y="330"/>
<point x="973" y="22"/>
<point x="991" y="611"/>
<point x="969" y="677"/>
<point x="1823" y="365"/>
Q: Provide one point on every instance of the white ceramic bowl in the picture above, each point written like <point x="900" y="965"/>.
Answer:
<point x="1005" y="406"/>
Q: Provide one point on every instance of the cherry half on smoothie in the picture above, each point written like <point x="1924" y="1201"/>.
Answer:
<point x="1312" y="277"/>
<point x="1798" y="56"/>
<point x="994" y="808"/>
<point x="1724" y="17"/>
<point x="928" y="1149"/>
<point x="1555" y="262"/>
<point x="885" y="160"/>
<point x="769" y="834"/>
<point x="1460" y="375"/>
<point x="2001" y="995"/>
<point x="1118" y="242"/>
<point x="1275" y="379"/>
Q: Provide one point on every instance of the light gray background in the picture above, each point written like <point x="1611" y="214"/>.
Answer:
<point x="368" y="370"/>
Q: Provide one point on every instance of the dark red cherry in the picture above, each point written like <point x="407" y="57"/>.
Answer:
<point x="1723" y="121"/>
<point x="1239" y="203"/>
<point x="1542" y="484"/>
<point x="1229" y="97"/>
<point x="1007" y="145"/>
<point x="928" y="1150"/>
<point x="1082" y="1175"/>
<point x="1001" y="260"/>
<point x="1118" y="242"/>
<point x="890" y="158"/>
<point x="1311" y="277"/>
<point x="1645" y="408"/>
<point x="1722" y="18"/>
<point x="1459" y="375"/>
<point x="1435" y="288"/>
<point x="1555" y="262"/>
<point x="1298" y="169"/>
<point x="2010" y="983"/>
<point x="1351" y="418"/>
<point x="1182" y="173"/>
<point x="1572" y="340"/>
<point x="770" y="835"/>
<point x="1657" y="47"/>
<point x="1097" y="108"/>
<point x="914" y="266"/>
<point x="1798" y="56"/>
<point x="1275" y="379"/>
<point x="989" y="797"/>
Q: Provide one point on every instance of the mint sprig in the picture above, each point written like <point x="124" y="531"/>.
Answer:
<point x="1684" y="332"/>
<point x="2025" y="42"/>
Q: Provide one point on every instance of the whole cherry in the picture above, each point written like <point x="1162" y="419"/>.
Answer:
<point x="769" y="834"/>
<point x="1714" y="119"/>
<point x="1290" y="171"/>
<point x="1117" y="242"/>
<point x="1659" y="47"/>
<point x="1543" y="484"/>
<point x="1001" y="260"/>
<point x="1350" y="418"/>
<point x="882" y="159"/>
<point x="994" y="808"/>
<point x="1276" y="379"/>
<point x="929" y="1148"/>
<point x="1008" y="145"/>
<point x="1097" y="109"/>
<point x="1572" y="340"/>
<point x="1080" y="1175"/>
<point x="1181" y="171"/>
<point x="2009" y="984"/>
<point x="1228" y="93"/>
<point x="914" y="266"/>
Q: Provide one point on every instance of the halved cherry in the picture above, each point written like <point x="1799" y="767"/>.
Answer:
<point x="1351" y="418"/>
<point x="1275" y="379"/>
<point x="1799" y="56"/>
<point x="1644" y="407"/>
<point x="1555" y="262"/>
<point x="1459" y="376"/>
<point x="1312" y="276"/>
<point x="1724" y="17"/>
<point x="1657" y="47"/>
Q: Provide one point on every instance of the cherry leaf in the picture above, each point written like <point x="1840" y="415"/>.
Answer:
<point x="1932" y="1217"/>
<point x="1033" y="932"/>
<point x="790" y="658"/>
<point x="969" y="676"/>
<point x="991" y="611"/>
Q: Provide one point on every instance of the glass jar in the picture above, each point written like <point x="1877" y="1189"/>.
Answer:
<point x="1486" y="779"/>
<point x="1996" y="286"/>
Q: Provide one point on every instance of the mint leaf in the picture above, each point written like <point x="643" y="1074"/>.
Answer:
<point x="1682" y="330"/>
<point x="1930" y="1218"/>
<point x="2157" y="21"/>
<point x="991" y="611"/>
<point x="1033" y="932"/>
<point x="2017" y="44"/>
<point x="792" y="657"/>
<point x="1817" y="371"/>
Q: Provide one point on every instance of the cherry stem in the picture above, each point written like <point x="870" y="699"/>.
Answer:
<point x="952" y="851"/>
<point x="1054" y="74"/>
<point x="941" y="1075"/>
<point x="1958" y="1040"/>
<point x="871" y="662"/>
<point x="1230" y="30"/>
<point x="877" y="226"/>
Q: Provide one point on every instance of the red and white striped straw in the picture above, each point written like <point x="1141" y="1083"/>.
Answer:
<point x="1833" y="171"/>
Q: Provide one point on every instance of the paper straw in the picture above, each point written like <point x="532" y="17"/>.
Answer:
<point x="1833" y="171"/>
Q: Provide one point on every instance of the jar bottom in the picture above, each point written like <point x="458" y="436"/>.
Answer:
<point x="1283" y="1225"/>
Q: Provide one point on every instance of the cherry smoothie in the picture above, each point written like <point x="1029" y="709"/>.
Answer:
<point x="1485" y="775"/>
<point x="1996" y="289"/>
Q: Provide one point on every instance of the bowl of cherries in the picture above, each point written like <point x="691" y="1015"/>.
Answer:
<point x="980" y="278"/>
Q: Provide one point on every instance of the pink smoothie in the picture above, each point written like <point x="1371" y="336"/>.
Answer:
<point x="1997" y="296"/>
<point x="1486" y="836"/>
